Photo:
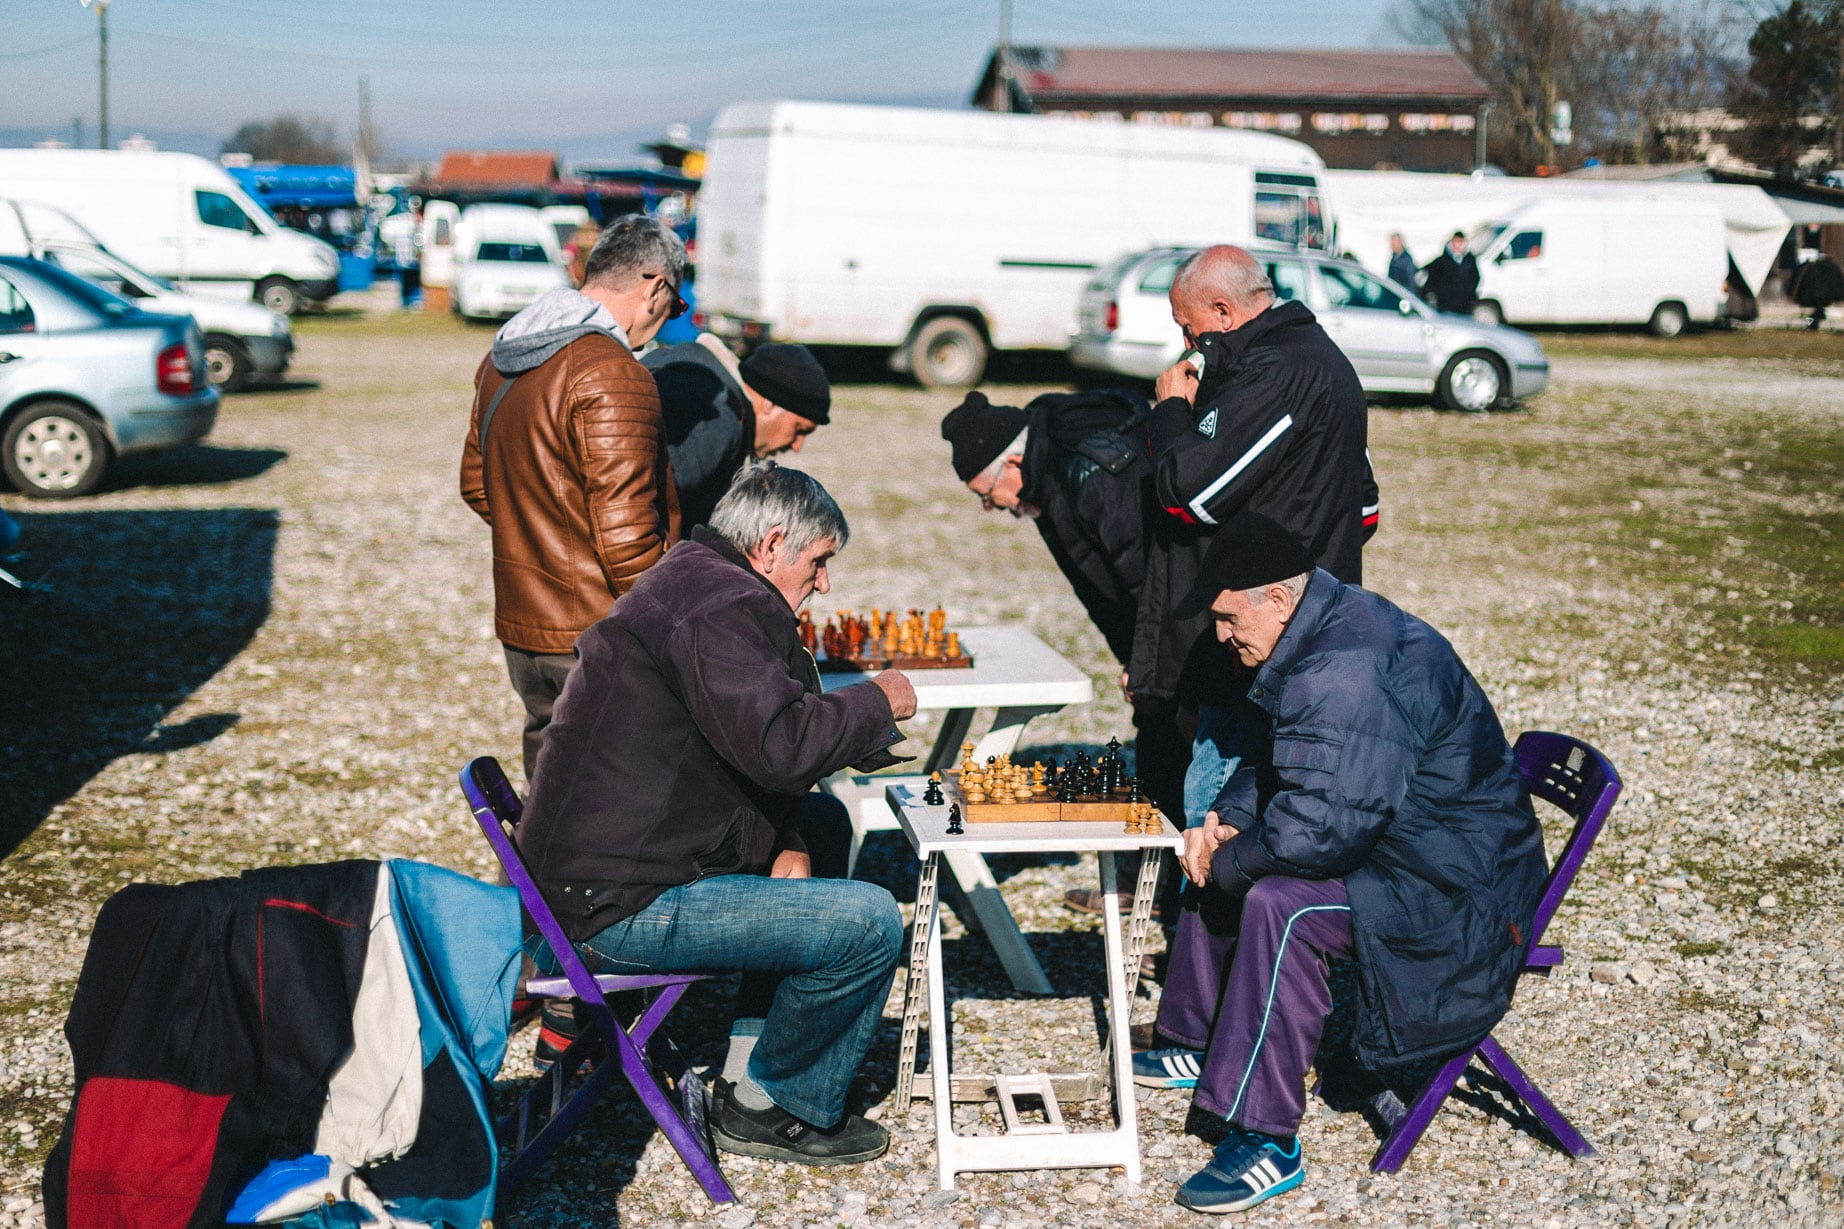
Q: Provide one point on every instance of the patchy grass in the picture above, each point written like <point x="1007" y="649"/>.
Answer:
<point x="1786" y="345"/>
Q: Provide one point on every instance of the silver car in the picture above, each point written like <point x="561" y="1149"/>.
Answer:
<point x="1397" y="343"/>
<point x="86" y="376"/>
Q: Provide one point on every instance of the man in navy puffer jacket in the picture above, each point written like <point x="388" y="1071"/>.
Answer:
<point x="1382" y="820"/>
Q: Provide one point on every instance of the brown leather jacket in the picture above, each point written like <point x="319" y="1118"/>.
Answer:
<point x="577" y="488"/>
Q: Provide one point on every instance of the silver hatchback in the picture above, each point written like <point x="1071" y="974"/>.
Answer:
<point x="85" y="376"/>
<point x="1397" y="343"/>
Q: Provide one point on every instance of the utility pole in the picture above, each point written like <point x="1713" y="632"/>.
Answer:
<point x="102" y="71"/>
<point x="1004" y="83"/>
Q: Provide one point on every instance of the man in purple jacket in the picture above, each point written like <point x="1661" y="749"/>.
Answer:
<point x="665" y="819"/>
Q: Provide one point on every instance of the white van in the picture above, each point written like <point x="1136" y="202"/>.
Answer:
<point x="948" y="234"/>
<point x="179" y="217"/>
<point x="243" y="341"/>
<point x="506" y="256"/>
<point x="1578" y="261"/>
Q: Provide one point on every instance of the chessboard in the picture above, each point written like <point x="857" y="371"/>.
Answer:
<point x="1084" y="790"/>
<point x="884" y="640"/>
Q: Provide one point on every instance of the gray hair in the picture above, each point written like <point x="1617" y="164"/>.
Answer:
<point x="1295" y="586"/>
<point x="765" y="496"/>
<point x="633" y="247"/>
<point x="1226" y="273"/>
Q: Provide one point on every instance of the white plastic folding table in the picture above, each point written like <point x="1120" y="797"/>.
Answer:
<point x="1020" y="677"/>
<point x="1038" y="1145"/>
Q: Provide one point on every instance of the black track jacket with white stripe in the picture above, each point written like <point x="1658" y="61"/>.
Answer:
<point x="1278" y="426"/>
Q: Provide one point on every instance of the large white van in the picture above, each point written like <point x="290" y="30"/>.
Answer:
<point x="179" y="217"/>
<point x="1576" y="261"/>
<point x="948" y="234"/>
<point x="243" y="341"/>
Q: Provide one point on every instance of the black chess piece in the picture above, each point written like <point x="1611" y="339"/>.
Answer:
<point x="932" y="796"/>
<point x="954" y="826"/>
<point x="1133" y="790"/>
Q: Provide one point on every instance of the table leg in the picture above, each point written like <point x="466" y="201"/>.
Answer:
<point x="996" y="921"/>
<point x="940" y="1026"/>
<point x="1119" y="1004"/>
<point x="1141" y="921"/>
<point x="921" y="931"/>
<point x="945" y="753"/>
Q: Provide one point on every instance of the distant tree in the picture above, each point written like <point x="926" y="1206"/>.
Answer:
<point x="1621" y="65"/>
<point x="288" y="138"/>
<point x="1794" y="66"/>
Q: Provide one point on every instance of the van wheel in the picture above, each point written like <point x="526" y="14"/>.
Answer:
<point x="1473" y="381"/>
<point x="1669" y="320"/>
<point x="948" y="352"/>
<point x="279" y="295"/>
<point x="227" y="364"/>
<point x="54" y="450"/>
<point x="1485" y="311"/>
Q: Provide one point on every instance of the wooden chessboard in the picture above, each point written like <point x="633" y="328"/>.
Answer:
<point x="1093" y="811"/>
<point x="869" y="664"/>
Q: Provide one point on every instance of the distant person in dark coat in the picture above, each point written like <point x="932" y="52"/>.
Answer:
<point x="1451" y="280"/>
<point x="1075" y="466"/>
<point x="1816" y="284"/>
<point x="1402" y="265"/>
<point x="721" y="413"/>
<point x="1381" y="819"/>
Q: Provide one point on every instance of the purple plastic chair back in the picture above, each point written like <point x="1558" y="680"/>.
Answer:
<point x="496" y="807"/>
<point x="1575" y="777"/>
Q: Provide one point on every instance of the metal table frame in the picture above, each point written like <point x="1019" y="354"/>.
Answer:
<point x="1047" y="1145"/>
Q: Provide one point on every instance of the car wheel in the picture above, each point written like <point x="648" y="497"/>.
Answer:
<point x="1485" y="311"/>
<point x="1669" y="320"/>
<point x="54" y="450"/>
<point x="948" y="352"/>
<point x="1473" y="381"/>
<point x="227" y="364"/>
<point x="279" y="295"/>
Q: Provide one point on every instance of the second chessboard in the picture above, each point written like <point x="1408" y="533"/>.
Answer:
<point x="1083" y="790"/>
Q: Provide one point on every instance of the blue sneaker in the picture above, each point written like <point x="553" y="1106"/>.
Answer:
<point x="1246" y="1169"/>
<point x="1173" y="1068"/>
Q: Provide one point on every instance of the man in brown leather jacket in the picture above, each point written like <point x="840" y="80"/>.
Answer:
<point x="574" y="478"/>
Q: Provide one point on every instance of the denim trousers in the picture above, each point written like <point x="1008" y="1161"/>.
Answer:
<point x="833" y="942"/>
<point x="1225" y="737"/>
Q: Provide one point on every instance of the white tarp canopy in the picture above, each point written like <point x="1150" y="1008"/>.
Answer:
<point x="1426" y="209"/>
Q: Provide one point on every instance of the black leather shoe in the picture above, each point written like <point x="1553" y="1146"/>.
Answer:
<point x="776" y="1135"/>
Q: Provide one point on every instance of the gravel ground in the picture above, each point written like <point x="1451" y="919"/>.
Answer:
<point x="277" y="648"/>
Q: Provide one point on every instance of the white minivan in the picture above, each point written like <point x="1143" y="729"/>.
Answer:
<point x="243" y="341"/>
<point x="1571" y="260"/>
<point x="179" y="217"/>
<point x="506" y="256"/>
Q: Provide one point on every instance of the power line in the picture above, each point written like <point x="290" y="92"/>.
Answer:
<point x="80" y="40"/>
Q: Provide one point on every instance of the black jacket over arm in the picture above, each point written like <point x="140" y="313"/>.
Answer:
<point x="1088" y="477"/>
<point x="1279" y="427"/>
<point x="692" y="723"/>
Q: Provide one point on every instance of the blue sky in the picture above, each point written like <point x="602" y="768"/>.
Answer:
<point x="587" y="79"/>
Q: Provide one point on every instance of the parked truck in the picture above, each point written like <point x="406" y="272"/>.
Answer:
<point x="179" y="217"/>
<point x="1576" y="261"/>
<point x="946" y="235"/>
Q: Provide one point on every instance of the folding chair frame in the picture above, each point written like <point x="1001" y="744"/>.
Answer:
<point x="642" y="1052"/>
<point x="1579" y="780"/>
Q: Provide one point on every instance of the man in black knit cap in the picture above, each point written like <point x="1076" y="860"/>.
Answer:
<point x="1075" y="466"/>
<point x="720" y="413"/>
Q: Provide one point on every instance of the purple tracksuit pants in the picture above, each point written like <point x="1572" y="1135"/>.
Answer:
<point x="1248" y="984"/>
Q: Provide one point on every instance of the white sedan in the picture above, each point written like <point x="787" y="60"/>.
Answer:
<point x="1397" y="343"/>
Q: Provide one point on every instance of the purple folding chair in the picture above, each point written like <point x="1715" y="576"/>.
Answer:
<point x="643" y="1053"/>
<point x="1578" y="779"/>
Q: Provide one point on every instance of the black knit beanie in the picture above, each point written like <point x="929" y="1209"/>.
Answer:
<point x="792" y="378"/>
<point x="979" y="432"/>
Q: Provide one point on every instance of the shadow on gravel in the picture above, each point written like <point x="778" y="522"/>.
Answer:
<point x="193" y="465"/>
<point x="137" y="611"/>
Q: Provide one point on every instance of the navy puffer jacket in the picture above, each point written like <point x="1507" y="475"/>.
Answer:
<point x="1388" y="769"/>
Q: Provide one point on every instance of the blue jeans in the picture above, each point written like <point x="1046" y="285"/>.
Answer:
<point x="834" y="941"/>
<point x="1225" y="738"/>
